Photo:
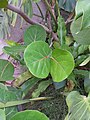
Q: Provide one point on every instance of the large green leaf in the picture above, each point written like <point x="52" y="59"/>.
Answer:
<point x="62" y="64"/>
<point x="82" y="37"/>
<point x="2" y="115"/>
<point x="3" y="3"/>
<point x="37" y="58"/>
<point x="6" y="96"/>
<point x="79" y="106"/>
<point x="34" y="33"/>
<point x="83" y="9"/>
<point x="30" y="115"/>
<point x="6" y="70"/>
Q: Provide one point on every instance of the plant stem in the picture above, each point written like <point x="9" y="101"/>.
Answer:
<point x="40" y="10"/>
<point x="19" y="102"/>
<point x="25" y="17"/>
<point x="50" y="10"/>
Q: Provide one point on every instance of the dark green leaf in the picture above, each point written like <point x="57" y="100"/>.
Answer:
<point x="67" y="5"/>
<point x="34" y="33"/>
<point x="3" y="3"/>
<point x="29" y="85"/>
<point x="87" y="84"/>
<point x="6" y="70"/>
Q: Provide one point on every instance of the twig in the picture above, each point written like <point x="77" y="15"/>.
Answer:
<point x="50" y="10"/>
<point x="40" y="10"/>
<point x="69" y="18"/>
<point x="25" y="17"/>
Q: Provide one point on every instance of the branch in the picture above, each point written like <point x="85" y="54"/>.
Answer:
<point x="25" y="17"/>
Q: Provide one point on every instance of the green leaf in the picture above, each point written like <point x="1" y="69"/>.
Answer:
<point x="3" y="3"/>
<point x="86" y="61"/>
<point x="2" y="115"/>
<point x="61" y="31"/>
<point x="84" y="12"/>
<point x="14" y="49"/>
<point x="2" y="86"/>
<point x="27" y="6"/>
<point x="34" y="33"/>
<point x="41" y="88"/>
<point x="67" y="5"/>
<point x="62" y="64"/>
<point x="30" y="115"/>
<point x="79" y="106"/>
<point x="6" y="70"/>
<point x="81" y="72"/>
<point x="87" y="84"/>
<point x="28" y="85"/>
<point x="6" y="96"/>
<point x="81" y="4"/>
<point x="37" y="58"/>
<point x="81" y="37"/>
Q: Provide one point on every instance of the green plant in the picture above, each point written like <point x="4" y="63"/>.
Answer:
<point x="48" y="55"/>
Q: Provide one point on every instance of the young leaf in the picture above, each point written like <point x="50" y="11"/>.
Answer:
<point x="79" y="106"/>
<point x="34" y="33"/>
<point x="3" y="3"/>
<point x="37" y="59"/>
<point x="62" y="64"/>
<point x="6" y="70"/>
<point x="30" y="115"/>
<point x="61" y="31"/>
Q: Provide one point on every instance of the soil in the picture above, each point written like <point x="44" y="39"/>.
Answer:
<point x="55" y="109"/>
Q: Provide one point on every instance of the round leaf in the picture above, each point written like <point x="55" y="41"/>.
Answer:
<point x="3" y="3"/>
<point x="62" y="64"/>
<point x="6" y="70"/>
<point x="79" y="106"/>
<point x="34" y="33"/>
<point x="37" y="59"/>
<point x="80" y="36"/>
<point x="30" y="115"/>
